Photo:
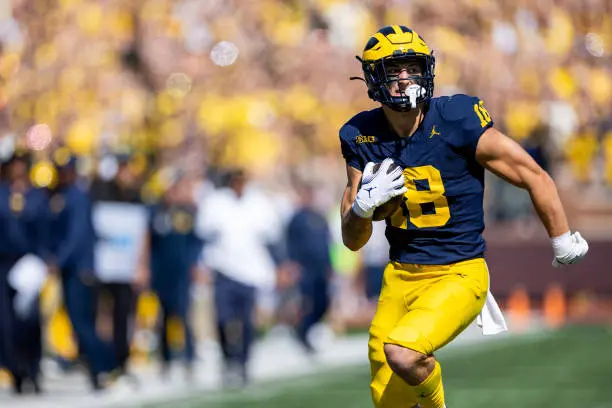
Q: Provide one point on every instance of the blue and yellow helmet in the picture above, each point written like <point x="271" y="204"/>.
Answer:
<point x="396" y="45"/>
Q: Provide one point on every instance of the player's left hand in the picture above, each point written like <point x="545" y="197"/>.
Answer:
<point x="569" y="248"/>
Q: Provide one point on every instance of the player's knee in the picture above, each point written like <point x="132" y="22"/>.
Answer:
<point x="401" y="359"/>
<point x="410" y="365"/>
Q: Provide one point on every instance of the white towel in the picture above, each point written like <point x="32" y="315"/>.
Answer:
<point x="27" y="277"/>
<point x="491" y="320"/>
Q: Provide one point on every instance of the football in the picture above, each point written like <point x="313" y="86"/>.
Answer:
<point x="388" y="208"/>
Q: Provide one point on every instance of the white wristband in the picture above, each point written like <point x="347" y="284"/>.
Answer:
<point x="562" y="241"/>
<point x="360" y="212"/>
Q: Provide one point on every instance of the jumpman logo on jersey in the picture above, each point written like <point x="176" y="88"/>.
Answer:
<point x="434" y="132"/>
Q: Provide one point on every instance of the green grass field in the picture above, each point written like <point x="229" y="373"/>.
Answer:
<point x="570" y="368"/>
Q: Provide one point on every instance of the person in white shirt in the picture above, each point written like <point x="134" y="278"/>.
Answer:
<point x="239" y="225"/>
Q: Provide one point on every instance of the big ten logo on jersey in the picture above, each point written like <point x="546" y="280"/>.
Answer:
<point x="365" y="139"/>
<point x="425" y="205"/>
<point x="482" y="113"/>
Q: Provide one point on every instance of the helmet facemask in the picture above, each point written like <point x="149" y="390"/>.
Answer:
<point x="400" y="93"/>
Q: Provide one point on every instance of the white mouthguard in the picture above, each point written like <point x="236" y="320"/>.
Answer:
<point x="413" y="92"/>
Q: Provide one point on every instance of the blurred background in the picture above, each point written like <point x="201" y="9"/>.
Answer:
<point x="173" y="160"/>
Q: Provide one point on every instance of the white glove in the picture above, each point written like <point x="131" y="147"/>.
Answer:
<point x="569" y="248"/>
<point x="378" y="188"/>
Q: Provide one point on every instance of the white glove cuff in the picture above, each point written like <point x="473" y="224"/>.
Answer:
<point x="562" y="243"/>
<point x="360" y="211"/>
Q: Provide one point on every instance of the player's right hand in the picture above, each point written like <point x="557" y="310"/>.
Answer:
<point x="569" y="248"/>
<point x="378" y="187"/>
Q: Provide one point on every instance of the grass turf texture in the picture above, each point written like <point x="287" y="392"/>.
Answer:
<point x="566" y="369"/>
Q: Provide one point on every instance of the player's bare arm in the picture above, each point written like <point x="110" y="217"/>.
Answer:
<point x="504" y="157"/>
<point x="356" y="231"/>
<point x="508" y="160"/>
<point x="365" y="192"/>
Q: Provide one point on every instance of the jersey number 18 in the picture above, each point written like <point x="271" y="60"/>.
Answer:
<point x="425" y="204"/>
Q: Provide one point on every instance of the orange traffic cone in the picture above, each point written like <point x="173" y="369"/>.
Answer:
<point x="555" y="306"/>
<point x="519" y="308"/>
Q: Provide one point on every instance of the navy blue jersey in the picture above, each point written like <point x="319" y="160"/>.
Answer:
<point x="308" y="241"/>
<point x="24" y="220"/>
<point x="442" y="218"/>
<point x="175" y="248"/>
<point x="73" y="236"/>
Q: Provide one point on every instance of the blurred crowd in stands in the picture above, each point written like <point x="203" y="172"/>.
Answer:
<point x="264" y="84"/>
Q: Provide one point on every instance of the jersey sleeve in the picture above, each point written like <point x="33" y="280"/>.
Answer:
<point x="470" y="117"/>
<point x="348" y="144"/>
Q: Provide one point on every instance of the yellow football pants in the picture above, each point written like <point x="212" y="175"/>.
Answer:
<point x="421" y="307"/>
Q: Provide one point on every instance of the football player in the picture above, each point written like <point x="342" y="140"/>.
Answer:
<point x="433" y="152"/>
